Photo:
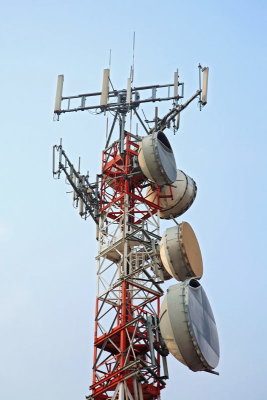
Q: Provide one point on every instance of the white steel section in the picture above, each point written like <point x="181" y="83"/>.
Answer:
<point x="116" y="391"/>
<point x="121" y="391"/>
<point x="140" y="391"/>
<point x="126" y="258"/>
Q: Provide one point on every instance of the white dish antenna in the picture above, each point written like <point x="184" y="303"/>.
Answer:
<point x="180" y="252"/>
<point x="188" y="327"/>
<point x="156" y="159"/>
<point x="175" y="200"/>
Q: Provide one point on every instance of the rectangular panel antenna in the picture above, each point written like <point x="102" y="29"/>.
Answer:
<point x="204" y="97"/>
<point x="105" y="87"/>
<point x="175" y="86"/>
<point x="60" y="80"/>
<point x="129" y="91"/>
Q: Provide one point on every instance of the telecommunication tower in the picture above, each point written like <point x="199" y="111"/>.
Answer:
<point x="139" y="183"/>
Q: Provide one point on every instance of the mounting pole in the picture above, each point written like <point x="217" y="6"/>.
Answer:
<point x="122" y="128"/>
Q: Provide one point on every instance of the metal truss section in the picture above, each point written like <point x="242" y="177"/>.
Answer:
<point x="128" y="352"/>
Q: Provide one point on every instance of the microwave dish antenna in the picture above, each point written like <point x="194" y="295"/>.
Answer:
<point x="174" y="199"/>
<point x="180" y="252"/>
<point x="188" y="326"/>
<point x="156" y="159"/>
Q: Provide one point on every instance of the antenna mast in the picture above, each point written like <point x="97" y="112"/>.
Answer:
<point x="136" y="186"/>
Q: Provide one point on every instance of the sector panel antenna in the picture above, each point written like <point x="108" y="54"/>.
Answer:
<point x="175" y="200"/>
<point x="105" y="87"/>
<point x="156" y="159"/>
<point x="180" y="252"/>
<point x="188" y="326"/>
<point x="204" y="97"/>
<point x="59" y="91"/>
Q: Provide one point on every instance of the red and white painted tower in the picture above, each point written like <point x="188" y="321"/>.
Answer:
<point x="129" y="357"/>
<point x="126" y="362"/>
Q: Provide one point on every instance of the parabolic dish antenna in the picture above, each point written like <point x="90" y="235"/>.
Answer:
<point x="175" y="200"/>
<point x="180" y="252"/>
<point x="156" y="159"/>
<point x="188" y="327"/>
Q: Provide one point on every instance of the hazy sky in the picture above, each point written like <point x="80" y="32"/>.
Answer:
<point x="47" y="284"/>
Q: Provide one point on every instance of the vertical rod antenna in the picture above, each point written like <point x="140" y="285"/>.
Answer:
<point x="107" y="128"/>
<point x="132" y="69"/>
<point x="109" y="59"/>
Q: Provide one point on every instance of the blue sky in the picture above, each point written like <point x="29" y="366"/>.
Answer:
<point x="47" y="285"/>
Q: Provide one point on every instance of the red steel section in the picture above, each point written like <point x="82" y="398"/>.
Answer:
<point x="126" y="345"/>
<point x="120" y="178"/>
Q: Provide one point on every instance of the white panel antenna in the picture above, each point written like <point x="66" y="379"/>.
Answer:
<point x="105" y="87"/>
<point x="204" y="97"/>
<point x="175" y="88"/>
<point x="129" y="91"/>
<point x="59" y="91"/>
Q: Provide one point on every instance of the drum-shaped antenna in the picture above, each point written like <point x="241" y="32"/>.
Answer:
<point x="180" y="253"/>
<point x="156" y="159"/>
<point x="188" y="327"/>
<point x="175" y="200"/>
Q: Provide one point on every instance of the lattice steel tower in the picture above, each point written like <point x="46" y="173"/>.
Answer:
<point x="125" y="202"/>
